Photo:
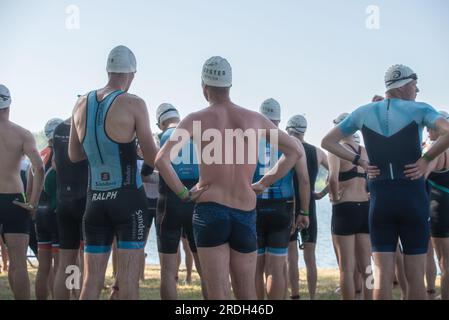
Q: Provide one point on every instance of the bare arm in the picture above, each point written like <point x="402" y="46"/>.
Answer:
<point x="37" y="166"/>
<point x="76" y="150"/>
<point x="442" y="144"/>
<point x="144" y="134"/>
<point x="334" y="169"/>
<point x="322" y="159"/>
<point x="163" y="159"/>
<point x="331" y="143"/>
<point x="421" y="167"/>
<point x="303" y="181"/>
<point x="29" y="182"/>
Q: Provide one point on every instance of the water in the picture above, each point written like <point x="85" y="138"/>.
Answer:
<point x="325" y="256"/>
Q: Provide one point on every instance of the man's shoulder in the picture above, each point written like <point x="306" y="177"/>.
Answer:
<point x="369" y="107"/>
<point x="19" y="133"/>
<point x="18" y="130"/>
<point x="131" y="98"/>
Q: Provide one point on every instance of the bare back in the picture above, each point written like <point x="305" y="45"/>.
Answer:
<point x="120" y="120"/>
<point x="12" y="141"/>
<point x="354" y="189"/>
<point x="229" y="184"/>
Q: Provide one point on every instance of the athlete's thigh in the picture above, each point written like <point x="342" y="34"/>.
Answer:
<point x="243" y="267"/>
<point x="97" y="229"/>
<point x="383" y="226"/>
<point x="345" y="246"/>
<point x="414" y="231"/>
<point x="187" y="227"/>
<point x="129" y="217"/>
<point x="215" y="262"/>
<point x="16" y="243"/>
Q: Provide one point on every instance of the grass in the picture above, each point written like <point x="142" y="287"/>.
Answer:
<point x="149" y="288"/>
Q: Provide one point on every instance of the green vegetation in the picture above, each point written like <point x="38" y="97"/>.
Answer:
<point x="149" y="288"/>
<point x="41" y="140"/>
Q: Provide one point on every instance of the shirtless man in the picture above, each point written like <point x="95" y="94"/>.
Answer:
<point x="224" y="221"/>
<point x="16" y="211"/>
<point x="105" y="125"/>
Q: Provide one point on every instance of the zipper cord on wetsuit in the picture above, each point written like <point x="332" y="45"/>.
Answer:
<point x="388" y="133"/>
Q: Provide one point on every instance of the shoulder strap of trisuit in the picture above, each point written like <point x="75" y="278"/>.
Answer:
<point x="109" y="100"/>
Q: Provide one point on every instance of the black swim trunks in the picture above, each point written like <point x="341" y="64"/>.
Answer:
<point x="215" y="225"/>
<point x="274" y="223"/>
<point x="13" y="218"/>
<point x="350" y="218"/>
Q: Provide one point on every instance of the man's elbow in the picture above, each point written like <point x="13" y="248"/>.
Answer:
<point x="295" y="153"/>
<point x="325" y="143"/>
<point x="305" y="182"/>
<point x="39" y="170"/>
<point x="158" y="161"/>
<point x="75" y="156"/>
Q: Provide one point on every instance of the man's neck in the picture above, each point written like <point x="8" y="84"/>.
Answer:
<point x="115" y="84"/>
<point x="4" y="115"/>
<point x="393" y="96"/>
<point x="219" y="100"/>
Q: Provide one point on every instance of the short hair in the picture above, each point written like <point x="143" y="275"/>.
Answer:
<point x="219" y="90"/>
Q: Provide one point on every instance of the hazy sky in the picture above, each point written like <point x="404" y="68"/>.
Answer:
<point x="316" y="58"/>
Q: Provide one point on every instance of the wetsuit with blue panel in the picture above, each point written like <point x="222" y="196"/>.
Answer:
<point x="116" y="203"/>
<point x="274" y="206"/>
<point x="399" y="207"/>
<point x="173" y="216"/>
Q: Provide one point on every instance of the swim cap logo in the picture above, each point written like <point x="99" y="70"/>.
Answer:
<point x="4" y="97"/>
<point x="397" y="74"/>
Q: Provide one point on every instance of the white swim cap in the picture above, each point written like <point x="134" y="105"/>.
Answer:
<point x="271" y="109"/>
<point x="398" y="76"/>
<point x="5" y="97"/>
<point x="51" y="126"/>
<point x="217" y="72"/>
<point x="445" y="114"/>
<point x="166" y="111"/>
<point x="340" y="118"/>
<point x="121" y="60"/>
<point x="298" y="124"/>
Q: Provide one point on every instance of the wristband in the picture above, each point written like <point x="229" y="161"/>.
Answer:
<point x="427" y="158"/>
<point x="356" y="160"/>
<point x="146" y="170"/>
<point x="183" y="193"/>
<point x="304" y="213"/>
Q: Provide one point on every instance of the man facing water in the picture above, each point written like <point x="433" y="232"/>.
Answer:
<point x="399" y="207"/>
<point x="105" y="125"/>
<point x="173" y="216"/>
<point x="15" y="210"/>
<point x="224" y="221"/>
